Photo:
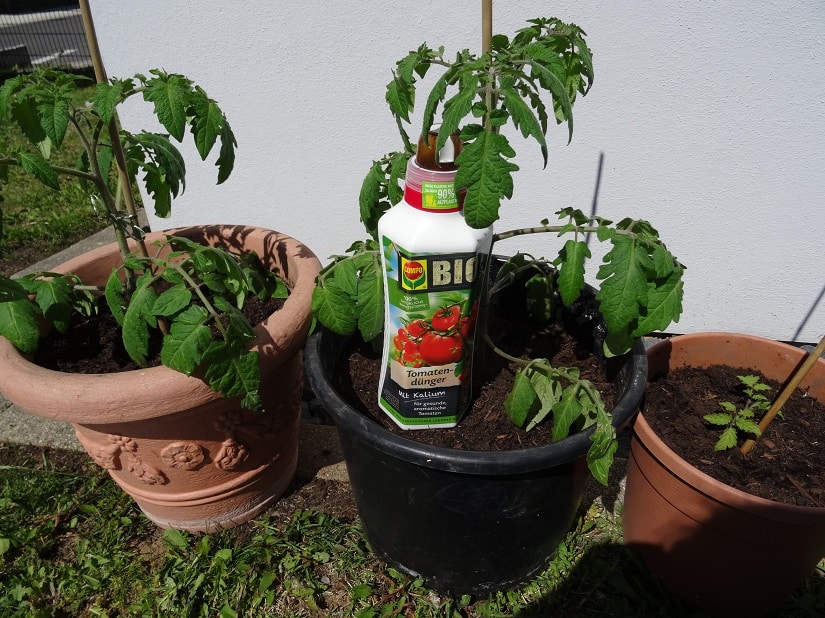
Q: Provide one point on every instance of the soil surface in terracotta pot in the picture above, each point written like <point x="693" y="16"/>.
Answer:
<point x="485" y="426"/>
<point x="786" y="465"/>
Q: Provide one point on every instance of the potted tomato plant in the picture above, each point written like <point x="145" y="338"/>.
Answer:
<point x="726" y="548"/>
<point x="479" y="520"/>
<point x="206" y="435"/>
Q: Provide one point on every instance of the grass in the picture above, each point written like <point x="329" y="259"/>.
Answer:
<point x="72" y="544"/>
<point x="38" y="221"/>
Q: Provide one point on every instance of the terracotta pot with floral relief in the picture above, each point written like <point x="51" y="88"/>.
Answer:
<point x="191" y="459"/>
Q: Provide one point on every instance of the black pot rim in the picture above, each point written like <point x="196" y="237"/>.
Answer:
<point x="468" y="462"/>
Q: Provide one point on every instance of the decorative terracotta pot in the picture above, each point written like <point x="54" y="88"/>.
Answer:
<point x="732" y="553"/>
<point x="190" y="459"/>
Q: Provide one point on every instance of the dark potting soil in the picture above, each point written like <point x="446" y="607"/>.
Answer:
<point x="94" y="345"/>
<point x="485" y="426"/>
<point x="786" y="465"/>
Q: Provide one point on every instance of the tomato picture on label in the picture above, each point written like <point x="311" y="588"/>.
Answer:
<point x="438" y="349"/>
<point x="417" y="328"/>
<point x="446" y="318"/>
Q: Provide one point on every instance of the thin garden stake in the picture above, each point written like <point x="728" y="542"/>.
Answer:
<point x="124" y="180"/>
<point x="786" y="393"/>
<point x="486" y="25"/>
<point x="117" y="147"/>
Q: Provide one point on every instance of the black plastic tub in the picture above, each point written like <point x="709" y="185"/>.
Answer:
<point x="466" y="522"/>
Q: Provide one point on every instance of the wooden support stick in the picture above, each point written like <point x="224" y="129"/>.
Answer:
<point x="486" y="25"/>
<point x="117" y="147"/>
<point x="783" y="397"/>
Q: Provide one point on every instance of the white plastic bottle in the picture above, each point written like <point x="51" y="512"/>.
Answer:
<point x="433" y="265"/>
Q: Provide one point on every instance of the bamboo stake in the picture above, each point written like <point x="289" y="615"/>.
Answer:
<point x="486" y="25"/>
<point x="117" y="147"/>
<point x="783" y="397"/>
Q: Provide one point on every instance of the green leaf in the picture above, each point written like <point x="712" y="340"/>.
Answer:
<point x="524" y="118"/>
<point x="571" y="262"/>
<point x="166" y="158"/>
<point x="522" y="403"/>
<point x="748" y="426"/>
<point x="207" y="124"/>
<point x="663" y="306"/>
<point x="487" y="174"/>
<point x="36" y="165"/>
<point x="113" y="293"/>
<point x="54" y="118"/>
<point x="188" y="338"/>
<point x="170" y="95"/>
<point x="437" y="94"/>
<point x="157" y="187"/>
<point x="106" y="98"/>
<point x="547" y="387"/>
<point x="558" y="89"/>
<point x="624" y="285"/>
<point x="456" y="108"/>
<point x="11" y="290"/>
<point x="370" y="196"/>
<point x="398" y="170"/>
<point x="753" y="382"/>
<point x="226" y="158"/>
<point x="175" y="539"/>
<point x="727" y="440"/>
<point x="55" y="298"/>
<point x="718" y="418"/>
<point x="172" y="300"/>
<point x="234" y="374"/>
<point x="333" y="307"/>
<point x="19" y="323"/>
<point x="371" y="300"/>
<point x="24" y="113"/>
<point x="601" y="452"/>
<point x="539" y="289"/>
<point x="136" y="322"/>
<point x="565" y="413"/>
<point x="401" y="98"/>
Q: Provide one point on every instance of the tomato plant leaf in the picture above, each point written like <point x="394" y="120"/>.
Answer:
<point x="571" y="262"/>
<point x="522" y="402"/>
<point x="19" y="323"/>
<point x="486" y="173"/>
<point x="188" y="338"/>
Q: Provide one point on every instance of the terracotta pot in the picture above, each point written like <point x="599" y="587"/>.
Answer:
<point x="732" y="553"/>
<point x="190" y="459"/>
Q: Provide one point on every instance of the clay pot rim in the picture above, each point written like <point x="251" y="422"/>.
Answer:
<point x="700" y="481"/>
<point x="283" y="332"/>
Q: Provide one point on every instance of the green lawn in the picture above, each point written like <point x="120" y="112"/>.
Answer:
<point x="72" y="544"/>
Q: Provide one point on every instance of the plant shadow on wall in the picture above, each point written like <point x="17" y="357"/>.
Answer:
<point x="555" y="423"/>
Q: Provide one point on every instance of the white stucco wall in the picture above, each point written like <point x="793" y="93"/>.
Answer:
<point x="710" y="117"/>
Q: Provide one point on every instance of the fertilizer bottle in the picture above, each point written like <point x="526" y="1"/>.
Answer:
<point x="433" y="265"/>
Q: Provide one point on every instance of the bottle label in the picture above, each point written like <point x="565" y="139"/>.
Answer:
<point x="433" y="304"/>
<point x="434" y="197"/>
